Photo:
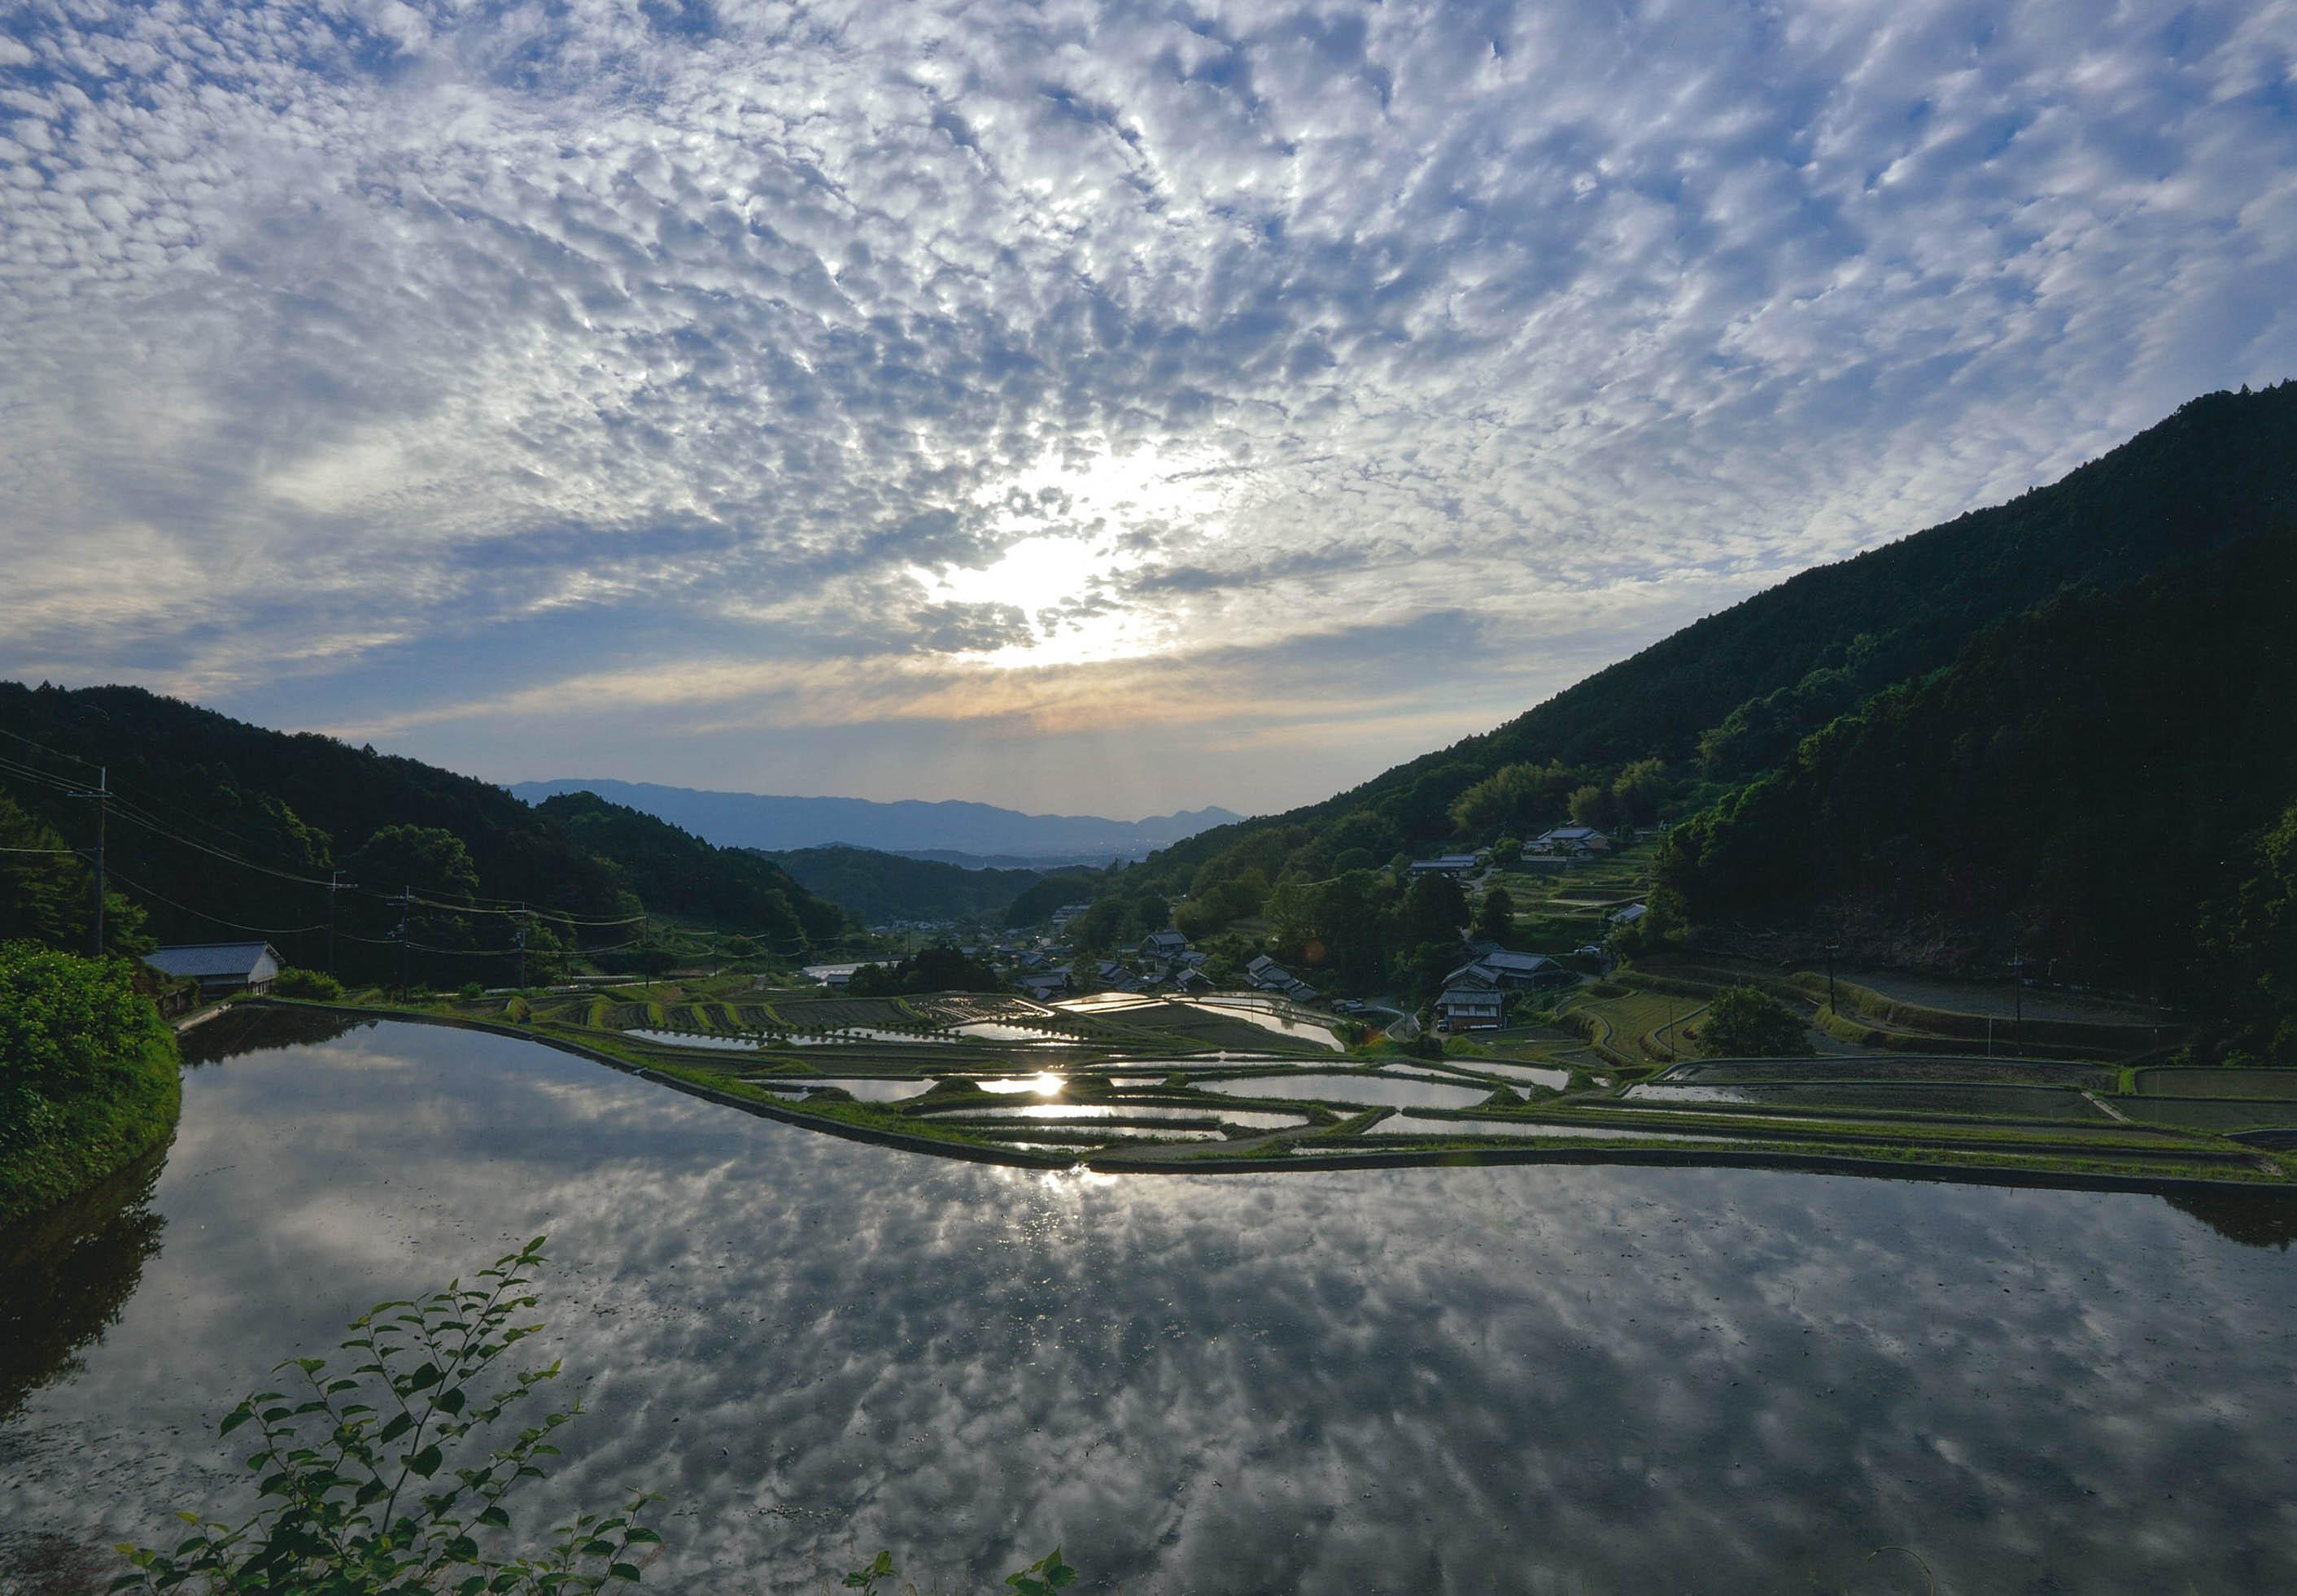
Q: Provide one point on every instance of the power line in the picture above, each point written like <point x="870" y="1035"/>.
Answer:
<point x="218" y="919"/>
<point x="44" y="748"/>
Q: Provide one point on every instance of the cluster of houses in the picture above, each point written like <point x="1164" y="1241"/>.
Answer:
<point x="1475" y="995"/>
<point x="1556" y="848"/>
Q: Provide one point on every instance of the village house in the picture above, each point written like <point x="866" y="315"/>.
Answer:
<point x="1576" y="840"/>
<point x="1502" y="969"/>
<point x="836" y="978"/>
<point x="1469" y="1006"/>
<point x="1164" y="944"/>
<point x="1446" y="864"/>
<point x="221" y="968"/>
<point x="1043" y="985"/>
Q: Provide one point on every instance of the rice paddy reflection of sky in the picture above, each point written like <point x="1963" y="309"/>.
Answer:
<point x="1575" y="1380"/>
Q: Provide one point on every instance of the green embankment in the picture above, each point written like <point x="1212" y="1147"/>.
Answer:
<point x="66" y="1144"/>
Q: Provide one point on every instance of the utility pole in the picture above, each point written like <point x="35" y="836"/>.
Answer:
<point x="335" y="884"/>
<point x="101" y="793"/>
<point x="1832" y="949"/>
<point x="519" y="938"/>
<point x="2018" y="991"/>
<point x="405" y="909"/>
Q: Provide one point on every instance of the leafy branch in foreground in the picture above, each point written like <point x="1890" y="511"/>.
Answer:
<point x="374" y="1483"/>
<point x="1047" y="1576"/>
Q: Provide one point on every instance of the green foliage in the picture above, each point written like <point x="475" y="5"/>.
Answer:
<point x="2074" y="787"/>
<point x="1435" y="909"/>
<point x="676" y="872"/>
<point x="876" y="887"/>
<point x="68" y="1023"/>
<point x="1037" y="904"/>
<point x="87" y="1075"/>
<point x="1496" y="915"/>
<point x="376" y="1479"/>
<point x="303" y="804"/>
<point x="941" y="968"/>
<point x="430" y="859"/>
<point x="2250" y="938"/>
<point x="649" y="955"/>
<point x="1746" y="1022"/>
<point x="1048" y="1575"/>
<point x="315" y="984"/>
<point x="1519" y="797"/>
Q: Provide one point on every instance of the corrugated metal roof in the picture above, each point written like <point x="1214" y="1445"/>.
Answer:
<point x="209" y="960"/>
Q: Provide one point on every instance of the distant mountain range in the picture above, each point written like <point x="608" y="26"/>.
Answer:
<point x="912" y="826"/>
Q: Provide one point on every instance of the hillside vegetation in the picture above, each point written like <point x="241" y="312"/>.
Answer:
<point x="2086" y="786"/>
<point x="223" y="830"/>
<point x="1935" y="799"/>
<point x="877" y="888"/>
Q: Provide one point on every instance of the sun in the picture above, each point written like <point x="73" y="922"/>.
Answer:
<point x="1074" y="545"/>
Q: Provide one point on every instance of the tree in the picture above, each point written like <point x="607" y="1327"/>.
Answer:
<point x="316" y="985"/>
<point x="1637" y="792"/>
<point x="651" y="959"/>
<point x="431" y="860"/>
<point x="1496" y="915"/>
<point x="1591" y="805"/>
<point x="1746" y="1022"/>
<point x="1434" y="907"/>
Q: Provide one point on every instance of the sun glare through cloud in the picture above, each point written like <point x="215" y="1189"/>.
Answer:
<point x="359" y="360"/>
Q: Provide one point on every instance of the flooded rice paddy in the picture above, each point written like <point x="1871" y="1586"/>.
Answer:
<point x="1388" y="1092"/>
<point x="1536" y="1378"/>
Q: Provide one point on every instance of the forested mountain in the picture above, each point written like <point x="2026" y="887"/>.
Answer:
<point x="2085" y="782"/>
<point x="2079" y="787"/>
<point x="877" y="888"/>
<point x="219" y="829"/>
<point x="1725" y="698"/>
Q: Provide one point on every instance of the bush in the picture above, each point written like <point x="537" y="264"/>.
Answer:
<point x="66" y="1023"/>
<point x="315" y="984"/>
<point x="376" y="1483"/>
<point x="87" y="1075"/>
<point x="1745" y="1022"/>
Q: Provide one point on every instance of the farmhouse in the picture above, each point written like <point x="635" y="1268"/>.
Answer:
<point x="1502" y="969"/>
<point x="836" y="978"/>
<point x="1445" y="864"/>
<point x="1469" y="1006"/>
<point x="1164" y="944"/>
<point x="1267" y="975"/>
<point x="220" y="968"/>
<point x="1571" y="839"/>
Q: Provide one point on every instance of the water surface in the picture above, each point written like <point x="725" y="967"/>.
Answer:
<point x="1548" y="1380"/>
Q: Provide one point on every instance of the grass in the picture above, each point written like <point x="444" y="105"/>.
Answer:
<point x="93" y="1133"/>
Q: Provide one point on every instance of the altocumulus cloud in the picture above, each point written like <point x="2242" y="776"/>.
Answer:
<point x="916" y="399"/>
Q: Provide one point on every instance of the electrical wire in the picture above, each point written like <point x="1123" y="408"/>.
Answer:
<point x="128" y="809"/>
<point x="218" y="919"/>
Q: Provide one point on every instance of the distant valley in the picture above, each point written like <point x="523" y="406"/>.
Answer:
<point x="953" y="832"/>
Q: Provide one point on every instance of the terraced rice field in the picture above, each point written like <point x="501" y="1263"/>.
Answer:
<point x="2021" y="1102"/>
<point x="2278" y="1084"/>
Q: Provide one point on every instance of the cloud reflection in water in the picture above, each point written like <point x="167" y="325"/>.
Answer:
<point x="1468" y="1379"/>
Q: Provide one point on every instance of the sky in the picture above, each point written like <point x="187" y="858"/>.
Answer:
<point x="1088" y="408"/>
